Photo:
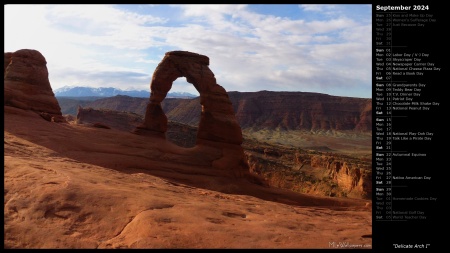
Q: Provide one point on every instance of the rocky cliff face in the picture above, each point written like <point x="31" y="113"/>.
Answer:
<point x="301" y="111"/>
<point x="365" y="119"/>
<point x="26" y="84"/>
<point x="313" y="172"/>
<point x="286" y="111"/>
<point x="352" y="175"/>
<point x="266" y="110"/>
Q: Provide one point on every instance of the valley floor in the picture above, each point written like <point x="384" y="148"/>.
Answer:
<point x="349" y="143"/>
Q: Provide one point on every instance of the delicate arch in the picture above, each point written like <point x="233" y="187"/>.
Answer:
<point x="217" y="122"/>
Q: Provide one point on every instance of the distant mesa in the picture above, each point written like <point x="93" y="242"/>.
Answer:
<point x="301" y="111"/>
<point x="218" y="127"/>
<point x="285" y="111"/>
<point x="26" y="84"/>
<point x="273" y="110"/>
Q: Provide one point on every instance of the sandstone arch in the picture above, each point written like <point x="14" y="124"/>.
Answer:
<point x="218" y="122"/>
<point x="218" y="129"/>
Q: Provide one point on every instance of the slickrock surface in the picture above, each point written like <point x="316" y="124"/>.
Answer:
<point x="72" y="186"/>
<point x="77" y="186"/>
<point x="300" y="170"/>
<point x="180" y="134"/>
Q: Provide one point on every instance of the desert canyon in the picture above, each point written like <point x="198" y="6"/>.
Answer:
<point x="162" y="179"/>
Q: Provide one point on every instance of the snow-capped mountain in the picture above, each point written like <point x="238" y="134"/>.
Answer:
<point x="78" y="91"/>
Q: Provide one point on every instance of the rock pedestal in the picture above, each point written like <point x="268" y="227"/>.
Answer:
<point x="26" y="84"/>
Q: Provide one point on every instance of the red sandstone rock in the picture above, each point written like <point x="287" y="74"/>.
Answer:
<point x="7" y="61"/>
<point x="73" y="187"/>
<point x="217" y="122"/>
<point x="355" y="178"/>
<point x="158" y="122"/>
<point x="70" y="187"/>
<point x="101" y="125"/>
<point x="301" y="111"/>
<point x="365" y="122"/>
<point x="26" y="84"/>
<point x="123" y="121"/>
<point x="218" y="127"/>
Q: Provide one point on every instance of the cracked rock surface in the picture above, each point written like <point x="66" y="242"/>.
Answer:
<point x="72" y="186"/>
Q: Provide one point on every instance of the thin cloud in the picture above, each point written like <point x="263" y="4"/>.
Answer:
<point x="318" y="7"/>
<point x="121" y="45"/>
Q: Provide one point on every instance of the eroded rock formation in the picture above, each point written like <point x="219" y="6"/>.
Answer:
<point x="353" y="177"/>
<point x="180" y="134"/>
<point x="301" y="111"/>
<point x="218" y="127"/>
<point x="309" y="171"/>
<point x="123" y="121"/>
<point x="26" y="84"/>
<point x="217" y="121"/>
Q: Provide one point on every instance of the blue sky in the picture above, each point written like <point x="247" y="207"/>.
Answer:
<point x="288" y="47"/>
